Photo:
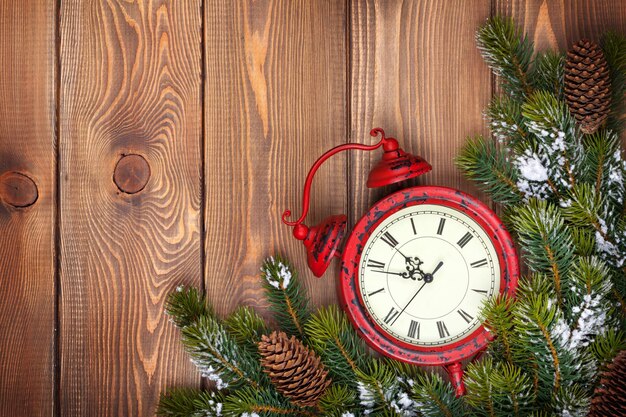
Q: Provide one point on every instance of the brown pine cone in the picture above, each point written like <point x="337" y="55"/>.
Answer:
<point x="587" y="85"/>
<point x="610" y="397"/>
<point x="295" y="371"/>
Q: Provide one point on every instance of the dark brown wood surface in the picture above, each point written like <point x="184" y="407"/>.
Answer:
<point x="130" y="85"/>
<point x="27" y="210"/>
<point x="185" y="128"/>
<point x="275" y="100"/>
<point x="416" y="72"/>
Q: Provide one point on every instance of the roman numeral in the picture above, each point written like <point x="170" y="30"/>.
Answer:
<point x="442" y="223"/>
<point x="465" y="239"/>
<point x="388" y="239"/>
<point x="376" y="292"/>
<point x="392" y="316"/>
<point x="465" y="316"/>
<point x="414" y="330"/>
<point x="375" y="264"/>
<point x="481" y="291"/>
<point x="478" y="264"/>
<point x="443" y="330"/>
<point x="413" y="226"/>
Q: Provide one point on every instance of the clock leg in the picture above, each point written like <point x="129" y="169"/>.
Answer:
<point x="455" y="371"/>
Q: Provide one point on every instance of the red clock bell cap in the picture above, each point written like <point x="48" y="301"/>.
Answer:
<point x="395" y="166"/>
<point x="322" y="242"/>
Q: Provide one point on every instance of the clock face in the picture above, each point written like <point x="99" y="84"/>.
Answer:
<point x="417" y="269"/>
<point x="425" y="272"/>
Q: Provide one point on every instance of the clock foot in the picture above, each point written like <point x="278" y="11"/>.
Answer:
<point x="455" y="371"/>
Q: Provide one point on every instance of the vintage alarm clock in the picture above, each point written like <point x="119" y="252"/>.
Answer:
<point x="417" y="267"/>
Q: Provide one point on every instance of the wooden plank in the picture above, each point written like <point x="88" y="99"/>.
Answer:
<point x="130" y="85"/>
<point x="558" y="24"/>
<point x="27" y="180"/>
<point x="416" y="73"/>
<point x="275" y="101"/>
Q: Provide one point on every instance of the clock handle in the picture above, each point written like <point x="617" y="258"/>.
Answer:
<point x="455" y="371"/>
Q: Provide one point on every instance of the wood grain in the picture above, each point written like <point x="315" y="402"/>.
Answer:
<point x="130" y="84"/>
<point x="27" y="158"/>
<point x="275" y="101"/>
<point x="416" y="72"/>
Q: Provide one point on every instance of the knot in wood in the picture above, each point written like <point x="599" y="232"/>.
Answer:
<point x="17" y="189"/>
<point x="132" y="173"/>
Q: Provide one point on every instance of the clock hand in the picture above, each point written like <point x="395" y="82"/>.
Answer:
<point x="410" y="301"/>
<point x="439" y="265"/>
<point x="388" y="272"/>
<point x="429" y="277"/>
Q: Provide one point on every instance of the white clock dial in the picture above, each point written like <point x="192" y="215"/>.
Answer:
<point x="425" y="273"/>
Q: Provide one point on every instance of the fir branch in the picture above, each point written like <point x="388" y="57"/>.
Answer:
<point x="547" y="73"/>
<point x="381" y="392"/>
<point x="337" y="400"/>
<point x="263" y="402"/>
<point x="246" y="327"/>
<point x="335" y="340"/>
<point x="185" y="306"/>
<point x="614" y="48"/>
<point x="543" y="335"/>
<point x="584" y="241"/>
<point x="572" y="400"/>
<point x="484" y="163"/>
<point x="498" y="389"/>
<point x="187" y="402"/>
<point x="436" y="397"/>
<point x="588" y="305"/>
<point x="557" y="137"/>
<point x="607" y="345"/>
<point x="508" y="52"/>
<point x="218" y="356"/>
<point x="546" y="240"/>
<point x="507" y="124"/>
<point x="605" y="168"/>
<point x="288" y="300"/>
<point x="497" y="316"/>
<point x="586" y="204"/>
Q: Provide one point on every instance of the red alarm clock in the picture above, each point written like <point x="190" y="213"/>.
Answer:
<point x="417" y="267"/>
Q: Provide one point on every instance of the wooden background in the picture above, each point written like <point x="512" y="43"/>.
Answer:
<point x="229" y="102"/>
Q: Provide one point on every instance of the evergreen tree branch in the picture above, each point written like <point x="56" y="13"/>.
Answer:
<point x="218" y="356"/>
<point x="483" y="162"/>
<point x="508" y="52"/>
<point x="558" y="139"/>
<point x="185" y="306"/>
<point x="287" y="298"/>
<point x="264" y="402"/>
<point x="246" y="327"/>
<point x="333" y="338"/>
<point x="547" y="72"/>
<point x="614" y="48"/>
<point x="546" y="240"/>
<point x="184" y="402"/>
<point x="437" y="397"/>
<point x="497" y="316"/>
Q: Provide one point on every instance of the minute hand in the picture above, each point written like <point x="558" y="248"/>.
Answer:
<point x="410" y="301"/>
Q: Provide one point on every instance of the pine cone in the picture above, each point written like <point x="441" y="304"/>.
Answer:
<point x="587" y="85"/>
<point x="610" y="397"/>
<point x="295" y="371"/>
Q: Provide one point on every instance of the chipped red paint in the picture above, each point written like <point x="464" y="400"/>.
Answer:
<point x="322" y="242"/>
<point x="351" y="298"/>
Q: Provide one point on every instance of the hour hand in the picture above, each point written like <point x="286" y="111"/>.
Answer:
<point x="413" y="267"/>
